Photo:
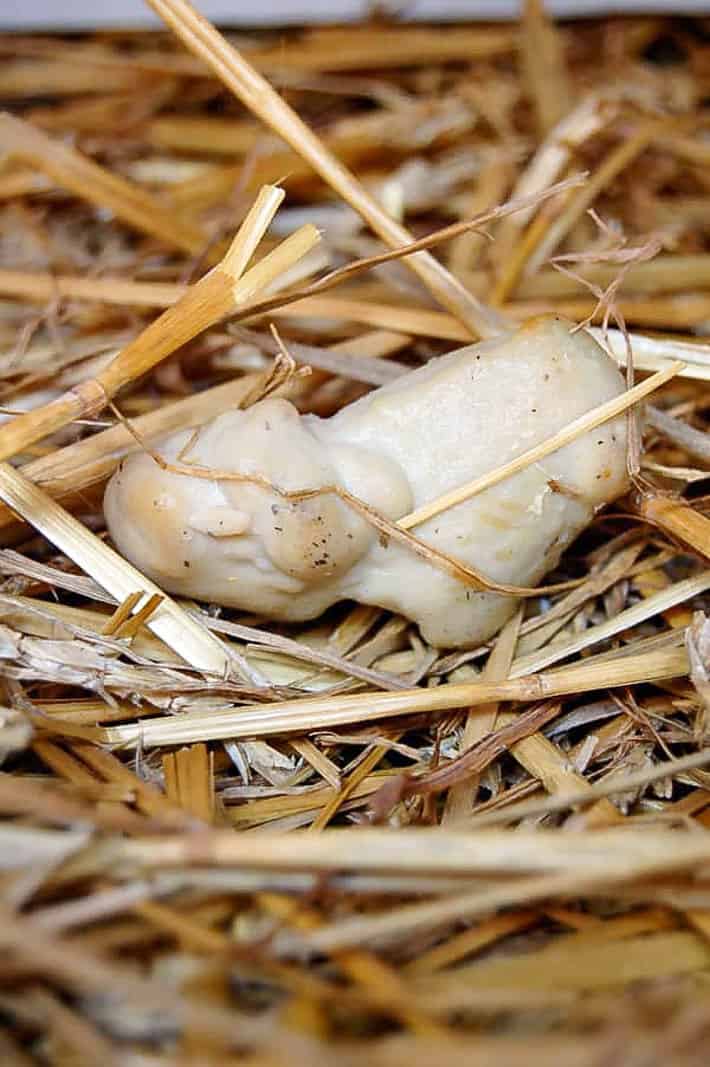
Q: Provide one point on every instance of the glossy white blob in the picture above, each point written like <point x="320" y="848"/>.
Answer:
<point x="397" y="448"/>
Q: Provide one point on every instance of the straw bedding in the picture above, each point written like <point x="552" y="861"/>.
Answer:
<point x="225" y="840"/>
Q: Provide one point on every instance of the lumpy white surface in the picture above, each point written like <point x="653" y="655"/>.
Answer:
<point x="397" y="448"/>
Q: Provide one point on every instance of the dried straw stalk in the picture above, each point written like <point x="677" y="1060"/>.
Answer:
<point x="318" y="713"/>
<point x="596" y="417"/>
<point x="71" y="170"/>
<point x="180" y="631"/>
<point x="205" y="303"/>
<point x="256" y="93"/>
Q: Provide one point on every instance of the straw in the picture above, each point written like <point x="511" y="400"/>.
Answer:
<point x="206" y="302"/>
<point x="255" y="93"/>
<point x="596" y="417"/>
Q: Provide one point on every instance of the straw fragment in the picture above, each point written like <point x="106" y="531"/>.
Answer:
<point x="257" y="94"/>
<point x="206" y="302"/>
<point x="317" y="713"/>
<point x="71" y="170"/>
<point x="603" y="413"/>
<point x="195" y="644"/>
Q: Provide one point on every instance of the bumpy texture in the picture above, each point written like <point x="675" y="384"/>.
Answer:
<point x="464" y="414"/>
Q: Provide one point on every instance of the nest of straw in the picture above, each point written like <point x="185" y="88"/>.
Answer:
<point x="229" y="841"/>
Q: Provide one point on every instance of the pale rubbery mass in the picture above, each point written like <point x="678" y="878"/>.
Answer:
<point x="242" y="544"/>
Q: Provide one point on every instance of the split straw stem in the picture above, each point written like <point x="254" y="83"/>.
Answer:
<point x="192" y="641"/>
<point x="255" y="92"/>
<point x="215" y="296"/>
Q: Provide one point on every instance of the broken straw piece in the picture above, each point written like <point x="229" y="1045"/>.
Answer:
<point x="241" y="544"/>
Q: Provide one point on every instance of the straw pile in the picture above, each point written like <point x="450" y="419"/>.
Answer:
<point x="226" y="841"/>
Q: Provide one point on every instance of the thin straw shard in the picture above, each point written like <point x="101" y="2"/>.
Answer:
<point x="544" y="66"/>
<point x="195" y="644"/>
<point x="419" y="849"/>
<point x="251" y="231"/>
<point x="258" y="95"/>
<point x="679" y="519"/>
<point x="481" y="721"/>
<point x="204" y="304"/>
<point x="579" y="426"/>
<point x="317" y="713"/>
<point x="69" y="168"/>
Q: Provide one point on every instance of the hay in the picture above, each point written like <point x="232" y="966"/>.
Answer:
<point x="229" y="841"/>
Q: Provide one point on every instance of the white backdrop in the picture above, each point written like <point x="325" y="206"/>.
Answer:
<point x="47" y="14"/>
